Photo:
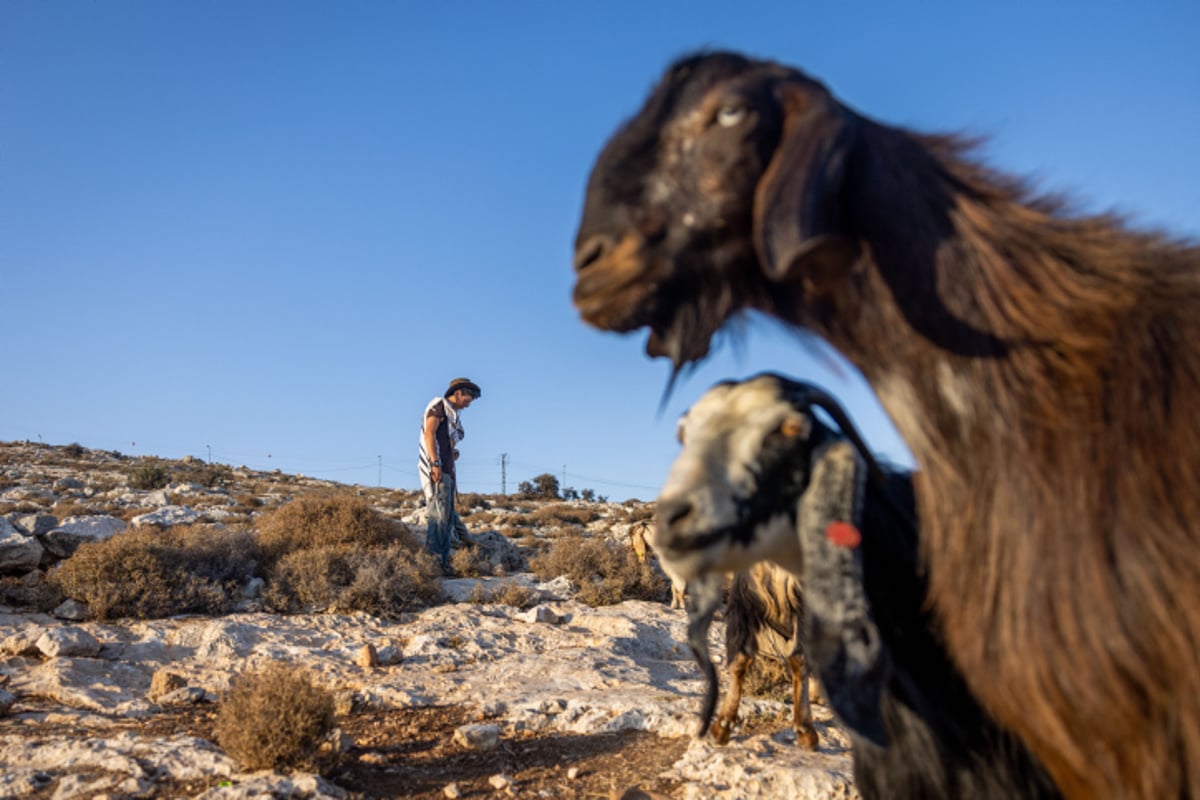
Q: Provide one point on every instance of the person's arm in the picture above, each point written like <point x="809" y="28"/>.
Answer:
<point x="431" y="423"/>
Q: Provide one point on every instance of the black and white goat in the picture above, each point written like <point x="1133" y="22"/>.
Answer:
<point x="761" y="477"/>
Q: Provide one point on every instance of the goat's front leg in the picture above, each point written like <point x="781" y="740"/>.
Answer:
<point x="727" y="717"/>
<point x="806" y="734"/>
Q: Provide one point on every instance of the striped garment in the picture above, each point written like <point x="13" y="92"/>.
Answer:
<point x="449" y="433"/>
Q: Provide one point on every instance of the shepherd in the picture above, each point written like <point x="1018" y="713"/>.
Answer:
<point x="441" y="431"/>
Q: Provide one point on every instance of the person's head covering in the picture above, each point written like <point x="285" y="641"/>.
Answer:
<point x="467" y="385"/>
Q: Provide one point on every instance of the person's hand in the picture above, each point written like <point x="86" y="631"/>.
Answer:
<point x="435" y="474"/>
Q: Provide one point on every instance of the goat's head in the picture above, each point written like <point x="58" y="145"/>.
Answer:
<point x="723" y="183"/>
<point x="750" y="451"/>
<point x="761" y="478"/>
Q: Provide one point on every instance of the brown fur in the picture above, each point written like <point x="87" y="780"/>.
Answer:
<point x="1043" y="367"/>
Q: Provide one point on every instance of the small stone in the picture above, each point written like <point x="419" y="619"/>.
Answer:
<point x="7" y="701"/>
<point x="68" y="641"/>
<point x="500" y="781"/>
<point x="478" y="737"/>
<point x="71" y="610"/>
<point x="367" y="657"/>
<point x="451" y="790"/>
<point x="573" y="773"/>
<point x="390" y="655"/>
<point x="543" y="614"/>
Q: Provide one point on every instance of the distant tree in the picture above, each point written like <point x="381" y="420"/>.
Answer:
<point x="545" y="486"/>
<point x="588" y="495"/>
<point x="569" y="493"/>
<point x="525" y="489"/>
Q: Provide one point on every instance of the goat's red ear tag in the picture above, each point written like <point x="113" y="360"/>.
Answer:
<point x="843" y="534"/>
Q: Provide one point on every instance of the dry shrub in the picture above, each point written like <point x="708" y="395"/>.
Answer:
<point x="470" y="562"/>
<point x="605" y="572"/>
<point x="147" y="573"/>
<point x="325" y="519"/>
<point x="480" y="518"/>
<point x="70" y="507"/>
<point x="508" y="593"/>
<point x="472" y="500"/>
<point x="340" y="578"/>
<point x="769" y="677"/>
<point x="30" y="591"/>
<point x="560" y="513"/>
<point x="277" y="718"/>
<point x="209" y="475"/>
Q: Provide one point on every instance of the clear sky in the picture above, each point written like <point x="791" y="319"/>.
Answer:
<point x="272" y="231"/>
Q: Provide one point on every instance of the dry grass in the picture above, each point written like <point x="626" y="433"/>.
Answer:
<point x="508" y="593"/>
<point x="147" y="573"/>
<point x="340" y="578"/>
<point x="470" y="562"/>
<point x="333" y="552"/>
<point x="560" y="514"/>
<point x="277" y="718"/>
<point x="769" y="677"/>
<point x="325" y="519"/>
<point x="605" y="572"/>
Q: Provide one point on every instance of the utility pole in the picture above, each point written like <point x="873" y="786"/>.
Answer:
<point x="564" y="483"/>
<point x="379" y="482"/>
<point x="209" y="446"/>
<point x="503" y="474"/>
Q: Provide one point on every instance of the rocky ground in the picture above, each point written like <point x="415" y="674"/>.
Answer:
<point x="462" y="699"/>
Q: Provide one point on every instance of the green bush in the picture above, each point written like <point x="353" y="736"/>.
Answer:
<point x="149" y="477"/>
<point x="277" y="718"/>
<point x="605" y="572"/>
<point x="147" y="573"/>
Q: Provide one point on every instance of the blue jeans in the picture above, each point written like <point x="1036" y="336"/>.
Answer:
<point x="444" y="521"/>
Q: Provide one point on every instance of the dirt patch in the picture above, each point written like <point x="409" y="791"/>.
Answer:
<point x="411" y="753"/>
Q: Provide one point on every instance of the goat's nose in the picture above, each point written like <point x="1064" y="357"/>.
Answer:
<point x="591" y="250"/>
<point x="673" y="513"/>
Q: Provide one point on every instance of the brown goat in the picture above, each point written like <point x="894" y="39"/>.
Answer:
<point x="639" y="533"/>
<point x="1043" y="368"/>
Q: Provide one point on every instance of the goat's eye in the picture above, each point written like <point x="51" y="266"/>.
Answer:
<point x="792" y="428"/>
<point x="728" y="116"/>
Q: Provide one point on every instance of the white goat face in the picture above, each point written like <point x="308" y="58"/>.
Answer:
<point x="730" y="497"/>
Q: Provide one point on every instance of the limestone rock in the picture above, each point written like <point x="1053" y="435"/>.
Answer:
<point x="478" y="737"/>
<point x="169" y="515"/>
<point x="64" y="540"/>
<point x="71" y="610"/>
<point x="19" y="551"/>
<point x="68" y="641"/>
<point x="37" y="524"/>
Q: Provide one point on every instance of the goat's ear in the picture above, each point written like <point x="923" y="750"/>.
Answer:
<point x="797" y="227"/>
<point x="842" y="640"/>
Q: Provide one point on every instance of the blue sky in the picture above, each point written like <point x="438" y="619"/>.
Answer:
<point x="273" y="231"/>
